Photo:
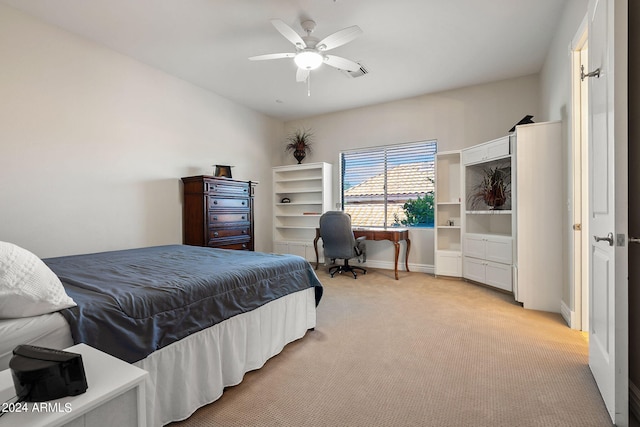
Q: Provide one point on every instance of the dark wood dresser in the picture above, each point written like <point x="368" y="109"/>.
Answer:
<point x="218" y="212"/>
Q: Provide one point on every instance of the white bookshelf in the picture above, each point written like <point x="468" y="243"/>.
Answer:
<point x="309" y="191"/>
<point x="448" y="214"/>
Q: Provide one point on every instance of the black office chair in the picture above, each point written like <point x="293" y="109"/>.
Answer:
<point x="339" y="243"/>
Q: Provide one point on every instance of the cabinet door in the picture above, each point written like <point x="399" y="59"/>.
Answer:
<point x="474" y="246"/>
<point x="296" y="248"/>
<point x="311" y="253"/>
<point x="448" y="264"/>
<point x="473" y="155"/>
<point x="498" y="275"/>
<point x="280" y="247"/>
<point x="499" y="249"/>
<point x="474" y="269"/>
<point x="498" y="149"/>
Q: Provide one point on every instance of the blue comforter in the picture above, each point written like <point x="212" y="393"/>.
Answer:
<point x="133" y="302"/>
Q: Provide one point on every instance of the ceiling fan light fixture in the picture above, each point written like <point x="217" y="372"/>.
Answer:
<point x="308" y="59"/>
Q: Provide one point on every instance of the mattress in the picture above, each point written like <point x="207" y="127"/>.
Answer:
<point x="136" y="301"/>
<point x="48" y="330"/>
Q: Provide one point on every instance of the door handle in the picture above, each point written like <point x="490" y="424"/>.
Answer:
<point x="609" y="239"/>
<point x="634" y="240"/>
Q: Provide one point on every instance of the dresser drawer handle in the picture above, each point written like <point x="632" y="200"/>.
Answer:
<point x="244" y="245"/>
<point x="245" y="190"/>
<point x="215" y="218"/>
<point x="215" y="202"/>
<point x="215" y="234"/>
<point x="244" y="231"/>
<point x="243" y="217"/>
<point x="244" y="203"/>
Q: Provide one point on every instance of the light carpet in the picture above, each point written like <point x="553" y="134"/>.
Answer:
<point x="420" y="351"/>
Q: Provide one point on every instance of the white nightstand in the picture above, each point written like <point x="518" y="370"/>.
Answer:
<point x="115" y="396"/>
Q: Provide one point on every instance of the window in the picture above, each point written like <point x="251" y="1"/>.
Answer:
<point x="389" y="186"/>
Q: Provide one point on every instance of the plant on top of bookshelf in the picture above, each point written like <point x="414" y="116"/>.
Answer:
<point x="299" y="143"/>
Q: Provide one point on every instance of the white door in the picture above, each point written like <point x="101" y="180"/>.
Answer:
<point x="604" y="346"/>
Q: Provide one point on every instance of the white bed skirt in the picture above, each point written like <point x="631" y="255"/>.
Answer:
<point x="194" y="371"/>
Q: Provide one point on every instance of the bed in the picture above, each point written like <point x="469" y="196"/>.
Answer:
<point x="197" y="319"/>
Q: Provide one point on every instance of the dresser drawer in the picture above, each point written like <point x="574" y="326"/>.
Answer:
<point x="217" y="218"/>
<point x="230" y="188"/>
<point x="237" y="246"/>
<point x="228" y="203"/>
<point x="224" y="233"/>
<point x="242" y="243"/>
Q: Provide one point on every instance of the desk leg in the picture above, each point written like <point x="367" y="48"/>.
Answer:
<point x="315" y="246"/>
<point x="397" y="245"/>
<point x="406" y="255"/>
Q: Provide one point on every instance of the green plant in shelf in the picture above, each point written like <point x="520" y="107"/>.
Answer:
<point x="493" y="191"/>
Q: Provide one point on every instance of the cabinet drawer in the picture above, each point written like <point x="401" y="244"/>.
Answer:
<point x="228" y="203"/>
<point x="231" y="188"/>
<point x="216" y="218"/>
<point x="223" y="233"/>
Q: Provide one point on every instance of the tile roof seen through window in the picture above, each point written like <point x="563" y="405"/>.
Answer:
<point x="408" y="179"/>
<point x="364" y="201"/>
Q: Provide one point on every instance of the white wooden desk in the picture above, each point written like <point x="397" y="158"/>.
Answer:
<point x="115" y="396"/>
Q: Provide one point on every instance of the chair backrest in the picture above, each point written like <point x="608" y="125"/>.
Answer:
<point x="337" y="235"/>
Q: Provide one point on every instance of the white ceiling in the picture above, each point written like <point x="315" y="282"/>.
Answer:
<point x="410" y="47"/>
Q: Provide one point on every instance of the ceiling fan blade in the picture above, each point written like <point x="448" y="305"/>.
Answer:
<point x="302" y="75"/>
<point x="272" y="56"/>
<point x="341" y="63"/>
<point x="289" y="33"/>
<point x="339" y="38"/>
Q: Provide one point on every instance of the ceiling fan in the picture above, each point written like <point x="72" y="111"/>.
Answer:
<point x="310" y="52"/>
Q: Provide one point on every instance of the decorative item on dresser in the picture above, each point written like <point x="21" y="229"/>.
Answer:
<point x="218" y="212"/>
<point x="222" y="171"/>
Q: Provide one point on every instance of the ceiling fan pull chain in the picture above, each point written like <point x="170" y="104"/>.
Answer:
<point x="309" y="85"/>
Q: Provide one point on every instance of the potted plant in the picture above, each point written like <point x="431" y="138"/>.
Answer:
<point x="299" y="143"/>
<point x="493" y="191"/>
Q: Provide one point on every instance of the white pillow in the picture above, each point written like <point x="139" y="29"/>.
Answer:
<point x="27" y="286"/>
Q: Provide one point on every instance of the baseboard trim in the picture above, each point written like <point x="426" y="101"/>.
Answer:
<point x="634" y="399"/>
<point x="568" y="315"/>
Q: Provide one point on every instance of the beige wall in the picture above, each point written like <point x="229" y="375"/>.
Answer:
<point x="456" y="119"/>
<point x="555" y="88"/>
<point x="93" y="143"/>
